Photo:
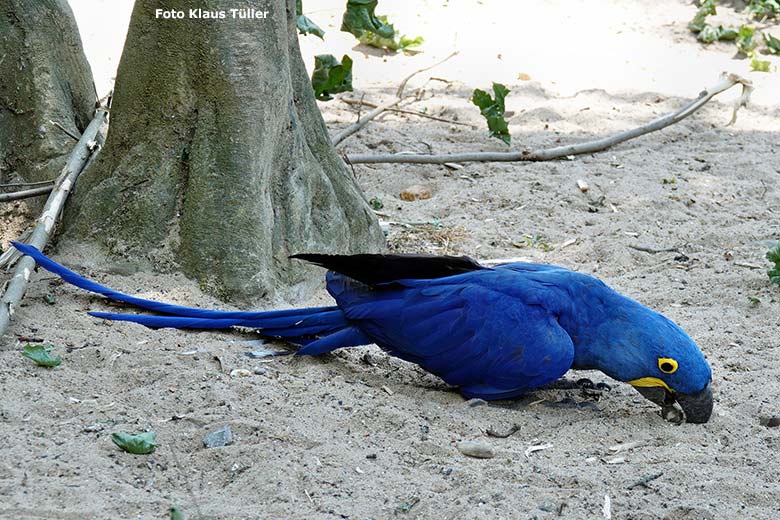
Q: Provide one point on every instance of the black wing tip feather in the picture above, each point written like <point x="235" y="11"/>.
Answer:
<point x="383" y="268"/>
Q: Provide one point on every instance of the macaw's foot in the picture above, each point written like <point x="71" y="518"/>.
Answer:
<point x="580" y="384"/>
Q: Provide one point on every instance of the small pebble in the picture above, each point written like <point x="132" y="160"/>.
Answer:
<point x="476" y="449"/>
<point x="769" y="421"/>
<point x="260" y="371"/>
<point x="218" y="438"/>
<point x="473" y="403"/>
<point x="415" y="192"/>
<point x="240" y="372"/>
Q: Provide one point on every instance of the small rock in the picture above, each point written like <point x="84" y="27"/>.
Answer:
<point x="672" y="414"/>
<point x="769" y="421"/>
<point x="94" y="428"/>
<point x="240" y="372"/>
<point x="582" y="185"/>
<point x="260" y="371"/>
<point x="218" y="438"/>
<point x="473" y="403"/>
<point x="415" y="192"/>
<point x="476" y="449"/>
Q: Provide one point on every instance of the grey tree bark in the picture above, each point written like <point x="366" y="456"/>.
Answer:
<point x="217" y="160"/>
<point x="44" y="76"/>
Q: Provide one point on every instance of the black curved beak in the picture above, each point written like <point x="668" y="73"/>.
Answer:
<point x="697" y="407"/>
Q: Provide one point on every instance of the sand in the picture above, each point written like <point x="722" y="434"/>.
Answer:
<point x="358" y="435"/>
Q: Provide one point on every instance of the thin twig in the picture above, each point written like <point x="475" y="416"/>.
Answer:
<point x="653" y="250"/>
<point x="360" y="123"/>
<point x="503" y="435"/>
<point x="726" y="82"/>
<point x="86" y="149"/>
<point x="405" y="111"/>
<point x="399" y="94"/>
<point x="25" y="194"/>
<point x="27" y="184"/>
<point x="644" y="481"/>
<point x="71" y="134"/>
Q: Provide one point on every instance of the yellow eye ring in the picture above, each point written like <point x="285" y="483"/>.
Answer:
<point x="667" y="365"/>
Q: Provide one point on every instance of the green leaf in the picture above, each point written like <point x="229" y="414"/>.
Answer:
<point x="176" y="514"/>
<point x="773" y="255"/>
<point x="772" y="43"/>
<point x="331" y="76"/>
<point x="396" y="42"/>
<point x="727" y="33"/>
<point x="745" y="41"/>
<point x="376" y="203"/>
<point x="141" y="444"/>
<point x="305" y="25"/>
<point x="359" y="18"/>
<point x="759" y="65"/>
<point x="700" y="18"/>
<point x="708" y="34"/>
<point x="40" y="354"/>
<point x="764" y="8"/>
<point x="493" y="110"/>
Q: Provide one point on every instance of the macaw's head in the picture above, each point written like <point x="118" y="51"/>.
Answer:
<point x="643" y="348"/>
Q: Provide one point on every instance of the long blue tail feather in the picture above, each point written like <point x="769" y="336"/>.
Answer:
<point x="321" y="328"/>
<point x="150" y="305"/>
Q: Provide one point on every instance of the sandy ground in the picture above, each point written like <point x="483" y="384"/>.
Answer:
<point x="359" y="435"/>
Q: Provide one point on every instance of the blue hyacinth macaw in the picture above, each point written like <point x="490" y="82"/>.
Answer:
<point x="493" y="332"/>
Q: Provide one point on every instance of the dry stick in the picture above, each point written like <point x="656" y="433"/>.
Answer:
<point x="25" y="194"/>
<point x="726" y="82"/>
<point x="68" y="132"/>
<point x="85" y="149"/>
<point x="26" y="184"/>
<point x="399" y="94"/>
<point x="360" y="123"/>
<point x="405" y="111"/>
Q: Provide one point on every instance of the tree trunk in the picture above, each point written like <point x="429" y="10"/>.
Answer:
<point x="217" y="160"/>
<point x="44" y="76"/>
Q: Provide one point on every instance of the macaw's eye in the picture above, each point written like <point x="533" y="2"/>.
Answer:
<point x="667" y="365"/>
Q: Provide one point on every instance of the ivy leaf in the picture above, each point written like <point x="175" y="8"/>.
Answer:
<point x="359" y="18"/>
<point x="331" y="76"/>
<point x="700" y="18"/>
<point x="141" y="444"/>
<point x="493" y="110"/>
<point x="394" y="43"/>
<point x="763" y="8"/>
<point x="40" y="354"/>
<point x="709" y="34"/>
<point x="759" y="65"/>
<point x="305" y="25"/>
<point x="745" y="41"/>
<point x="772" y="43"/>
<point x="773" y="255"/>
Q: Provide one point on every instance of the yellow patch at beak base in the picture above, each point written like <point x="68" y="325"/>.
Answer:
<point x="649" y="382"/>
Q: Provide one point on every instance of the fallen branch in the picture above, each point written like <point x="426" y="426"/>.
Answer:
<point x="399" y="94"/>
<point x="86" y="149"/>
<point x="726" y="82"/>
<point x="25" y="194"/>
